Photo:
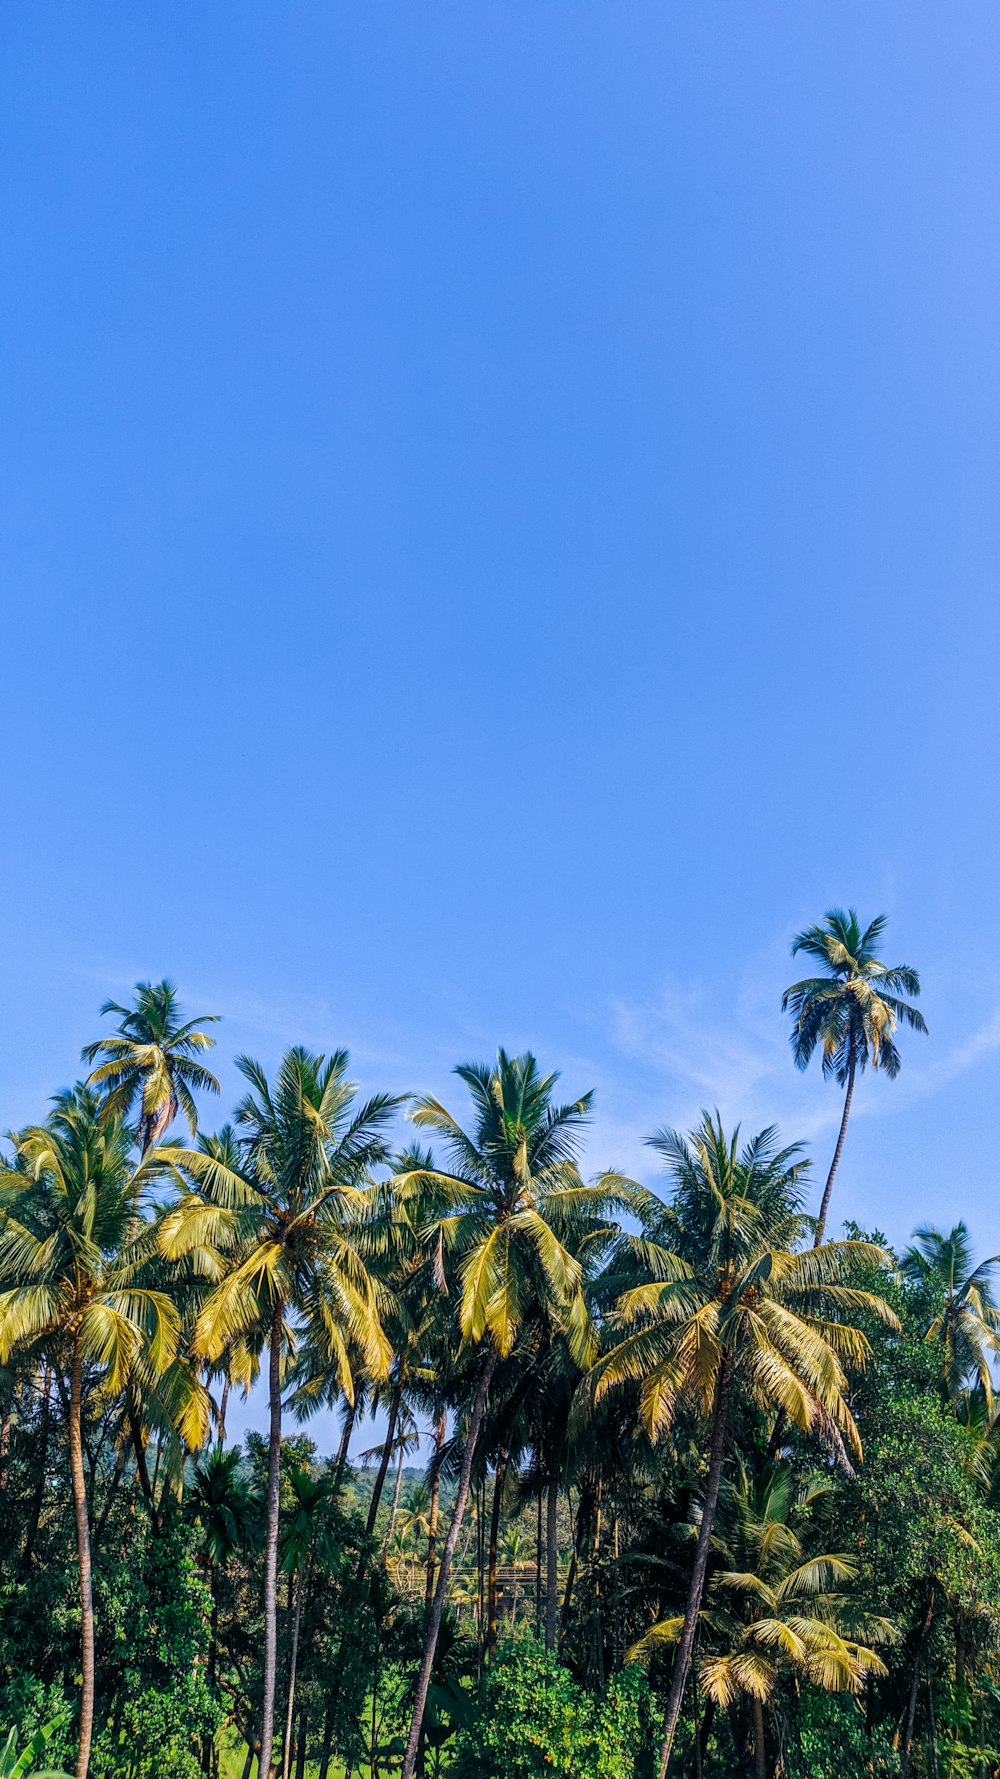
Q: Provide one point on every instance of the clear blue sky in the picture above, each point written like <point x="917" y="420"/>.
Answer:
<point x="500" y="526"/>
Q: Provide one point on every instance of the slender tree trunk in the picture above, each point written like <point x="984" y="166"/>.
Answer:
<point x="113" y="1487"/>
<point x="432" y="1526"/>
<point x="290" y="1714"/>
<point x="390" y="1434"/>
<point x="492" y="1619"/>
<point x="345" y="1441"/>
<point x="538" y="1563"/>
<point x="911" y="1703"/>
<point x="551" y="1563"/>
<point x="83" y="1553"/>
<point x="303" y="1739"/>
<point x="582" y="1514"/>
<point x="835" y="1163"/>
<point x="440" y="1593"/>
<point x="325" y="1751"/>
<point x="5" y="1427"/>
<point x="223" y="1405"/>
<point x="248" y="1763"/>
<point x="685" y="1648"/>
<point x="759" y="1750"/>
<point x="141" y="1469"/>
<point x="394" y="1505"/>
<point x="266" y="1758"/>
<point x="42" y="1461"/>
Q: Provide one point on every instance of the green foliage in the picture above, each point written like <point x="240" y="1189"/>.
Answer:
<point x="16" y="1764"/>
<point x="535" y="1720"/>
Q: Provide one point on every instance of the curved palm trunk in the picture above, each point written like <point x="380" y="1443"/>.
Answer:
<point x="390" y="1434"/>
<point x="835" y="1163"/>
<point x="685" y="1648"/>
<point x="41" y="1467"/>
<point x="83" y="1555"/>
<point x="432" y="1525"/>
<point x="345" y="1442"/>
<point x="551" y="1563"/>
<point x="492" y="1610"/>
<point x="293" y="1665"/>
<point x="440" y="1594"/>
<point x="759" y="1750"/>
<point x="266" y="1760"/>
<point x="394" y="1507"/>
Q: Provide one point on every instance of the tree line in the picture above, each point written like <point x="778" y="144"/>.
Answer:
<point x="745" y="1474"/>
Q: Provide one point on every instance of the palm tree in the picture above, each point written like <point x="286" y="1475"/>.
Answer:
<point x="152" y="1061"/>
<point x="777" y="1607"/>
<point x="509" y="1211"/>
<point x="220" y="1503"/>
<point x="852" y="1012"/>
<point x="72" y="1285"/>
<point x="303" y="1538"/>
<point x="733" y="1312"/>
<point x="276" y="1210"/>
<point x="965" y="1320"/>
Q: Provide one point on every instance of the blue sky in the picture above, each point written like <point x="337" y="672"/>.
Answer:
<point x="500" y="527"/>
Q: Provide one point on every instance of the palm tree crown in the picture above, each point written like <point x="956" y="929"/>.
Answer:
<point x="852" y="1012"/>
<point x="854" y="1008"/>
<point x="273" y="1217"/>
<point x="152" y="1061"/>
<point x="965" y="1319"/>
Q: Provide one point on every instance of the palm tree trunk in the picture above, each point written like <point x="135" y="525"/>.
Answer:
<point x="223" y="1405"/>
<point x="911" y="1703"/>
<point x="759" y="1751"/>
<point x="440" y="1593"/>
<point x="290" y="1714"/>
<point x="390" y="1435"/>
<point x="141" y="1468"/>
<point x="835" y="1163"/>
<point x="551" y="1563"/>
<point x="394" y="1505"/>
<point x="432" y="1525"/>
<point x="83" y="1555"/>
<point x="326" y="1749"/>
<point x="685" y="1648"/>
<point x="538" y="1563"/>
<point x="345" y="1441"/>
<point x="42" y="1467"/>
<point x="492" y="1619"/>
<point x="265" y="1759"/>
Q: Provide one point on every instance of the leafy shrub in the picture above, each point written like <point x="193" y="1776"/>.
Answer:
<point x="533" y="1719"/>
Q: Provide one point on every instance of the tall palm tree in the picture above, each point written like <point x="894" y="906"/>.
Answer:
<point x="509" y="1210"/>
<point x="220" y="1503"/>
<point x="307" y="1534"/>
<point x="276" y="1209"/>
<point x="965" y="1319"/>
<point x="776" y="1606"/>
<point x="851" y="1012"/>
<point x="733" y="1313"/>
<point x="152" y="1061"/>
<point x="71" y="1283"/>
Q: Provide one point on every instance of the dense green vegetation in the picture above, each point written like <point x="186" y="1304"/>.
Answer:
<point x="699" y="1489"/>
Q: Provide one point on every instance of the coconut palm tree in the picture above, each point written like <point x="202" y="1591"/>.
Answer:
<point x="965" y="1320"/>
<point x="851" y="1012"/>
<point x="71" y="1283"/>
<point x="220" y="1503"/>
<point x="775" y="1606"/>
<point x="509" y="1210"/>
<point x="152" y="1061"/>
<point x="307" y="1535"/>
<point x="273" y="1212"/>
<point x="733" y="1312"/>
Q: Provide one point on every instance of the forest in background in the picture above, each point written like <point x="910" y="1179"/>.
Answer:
<point x="708" y="1491"/>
